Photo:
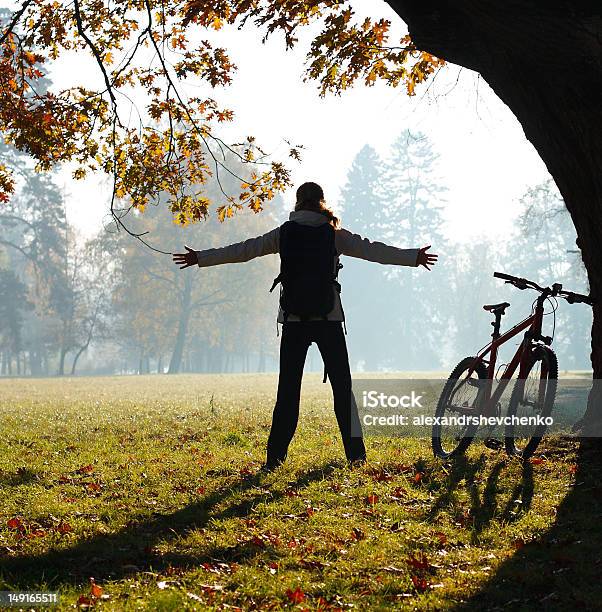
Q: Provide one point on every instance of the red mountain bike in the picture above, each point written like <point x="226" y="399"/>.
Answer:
<point x="469" y="390"/>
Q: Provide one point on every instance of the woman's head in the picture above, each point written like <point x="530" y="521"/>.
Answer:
<point x="310" y="196"/>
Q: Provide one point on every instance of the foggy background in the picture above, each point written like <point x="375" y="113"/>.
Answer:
<point x="450" y="167"/>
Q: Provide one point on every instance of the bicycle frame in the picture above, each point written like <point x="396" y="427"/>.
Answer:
<point x="532" y="324"/>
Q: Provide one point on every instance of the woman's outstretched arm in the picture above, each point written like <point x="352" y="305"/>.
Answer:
<point x="354" y="245"/>
<point x="233" y="253"/>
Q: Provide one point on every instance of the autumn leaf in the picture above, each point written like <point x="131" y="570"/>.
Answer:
<point x="420" y="584"/>
<point x="357" y="534"/>
<point x="86" y="469"/>
<point x="296" y="596"/>
<point x="371" y="499"/>
<point x="95" y="589"/>
<point x="419" y="563"/>
<point x="15" y="523"/>
<point x="537" y="460"/>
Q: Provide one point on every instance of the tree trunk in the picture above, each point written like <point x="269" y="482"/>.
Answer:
<point x="178" y="350"/>
<point x="261" y="364"/>
<point x="544" y="60"/>
<point x="35" y="363"/>
<point x="76" y="358"/>
<point x="61" y="371"/>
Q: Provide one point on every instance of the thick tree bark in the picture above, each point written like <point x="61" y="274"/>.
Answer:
<point x="543" y="58"/>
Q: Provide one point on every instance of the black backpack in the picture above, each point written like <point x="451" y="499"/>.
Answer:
<point x="307" y="271"/>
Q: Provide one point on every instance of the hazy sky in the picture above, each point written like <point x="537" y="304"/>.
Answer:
<point x="485" y="159"/>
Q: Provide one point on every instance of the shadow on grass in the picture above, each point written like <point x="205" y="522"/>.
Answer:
<point x="20" y="477"/>
<point x="467" y="473"/>
<point x="129" y="551"/>
<point x="561" y="570"/>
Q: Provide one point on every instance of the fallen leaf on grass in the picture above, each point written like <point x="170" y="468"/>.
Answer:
<point x="537" y="460"/>
<point x="86" y="469"/>
<point x="95" y="589"/>
<point x="398" y="493"/>
<point x="296" y="596"/>
<point x="419" y="563"/>
<point x="14" y="523"/>
<point x="441" y="537"/>
<point x="357" y="534"/>
<point x="371" y="499"/>
<point x="64" y="528"/>
<point x="420" y="584"/>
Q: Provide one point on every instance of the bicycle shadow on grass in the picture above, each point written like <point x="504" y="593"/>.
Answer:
<point x="484" y="492"/>
<point x="562" y="569"/>
<point x="129" y="551"/>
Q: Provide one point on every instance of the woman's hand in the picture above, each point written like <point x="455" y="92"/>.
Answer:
<point x="426" y="259"/>
<point x="184" y="260"/>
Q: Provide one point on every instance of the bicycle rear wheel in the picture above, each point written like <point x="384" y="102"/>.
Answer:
<point x="461" y="395"/>
<point x="532" y="396"/>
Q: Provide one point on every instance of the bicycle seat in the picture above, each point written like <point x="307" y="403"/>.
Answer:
<point x="496" y="308"/>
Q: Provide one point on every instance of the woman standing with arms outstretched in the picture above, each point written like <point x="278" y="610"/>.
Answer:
<point x="310" y="244"/>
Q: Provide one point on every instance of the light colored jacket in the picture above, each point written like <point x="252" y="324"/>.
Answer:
<point x="346" y="243"/>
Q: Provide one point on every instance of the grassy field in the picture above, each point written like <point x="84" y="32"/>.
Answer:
<point x="132" y="493"/>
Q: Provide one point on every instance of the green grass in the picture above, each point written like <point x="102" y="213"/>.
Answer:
<point x="150" y="485"/>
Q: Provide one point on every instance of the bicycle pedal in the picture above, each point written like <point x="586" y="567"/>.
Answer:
<point x="493" y="443"/>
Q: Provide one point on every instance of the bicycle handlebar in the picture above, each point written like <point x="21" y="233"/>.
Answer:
<point x="556" y="290"/>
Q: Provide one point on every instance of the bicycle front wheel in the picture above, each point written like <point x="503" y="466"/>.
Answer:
<point x="461" y="396"/>
<point x="532" y="401"/>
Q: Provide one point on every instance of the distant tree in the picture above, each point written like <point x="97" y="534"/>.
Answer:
<point x="363" y="282"/>
<point x="13" y="306"/>
<point x="544" y="249"/>
<point x="413" y="195"/>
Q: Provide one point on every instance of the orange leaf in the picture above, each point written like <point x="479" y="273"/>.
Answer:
<point x="95" y="590"/>
<point x="537" y="460"/>
<point x="14" y="523"/>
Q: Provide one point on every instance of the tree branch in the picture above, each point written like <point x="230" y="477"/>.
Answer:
<point x="14" y="21"/>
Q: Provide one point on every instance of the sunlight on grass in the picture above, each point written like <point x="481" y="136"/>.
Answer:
<point x="150" y="485"/>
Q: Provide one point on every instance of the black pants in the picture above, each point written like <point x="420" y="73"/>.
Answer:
<point x="296" y="339"/>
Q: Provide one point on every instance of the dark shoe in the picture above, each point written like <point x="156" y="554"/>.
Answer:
<point x="270" y="466"/>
